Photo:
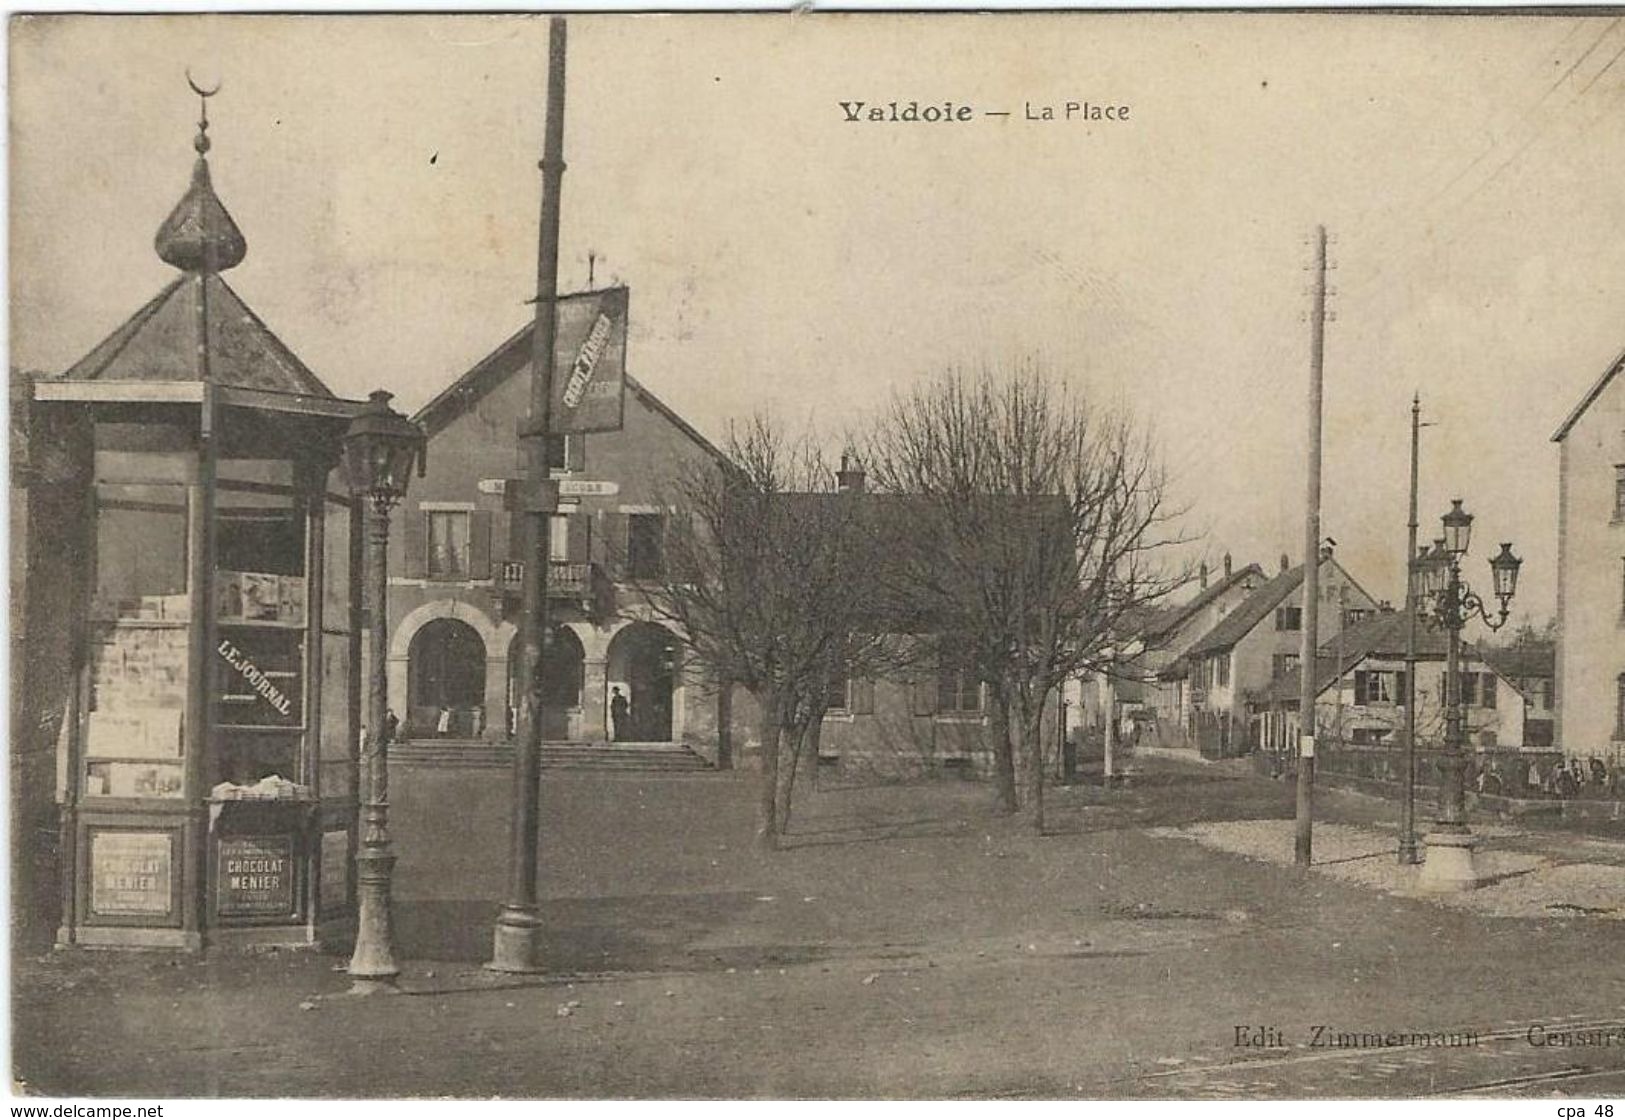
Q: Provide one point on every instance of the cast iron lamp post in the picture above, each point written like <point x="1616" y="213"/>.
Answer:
<point x="1448" y="604"/>
<point x="380" y="448"/>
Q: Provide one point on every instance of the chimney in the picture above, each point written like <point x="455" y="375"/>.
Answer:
<point x="849" y="479"/>
<point x="1285" y="563"/>
<point x="1227" y="565"/>
<point x="1201" y="575"/>
<point x="1327" y="549"/>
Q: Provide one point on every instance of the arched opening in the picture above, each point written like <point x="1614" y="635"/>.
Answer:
<point x="642" y="666"/>
<point x="563" y="675"/>
<point x="445" y="692"/>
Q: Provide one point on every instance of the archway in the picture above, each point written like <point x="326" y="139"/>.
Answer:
<point x="563" y="675"/>
<point x="445" y="691"/>
<point x="643" y="663"/>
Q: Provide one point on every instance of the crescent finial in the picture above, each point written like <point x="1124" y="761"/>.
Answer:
<point x="199" y="90"/>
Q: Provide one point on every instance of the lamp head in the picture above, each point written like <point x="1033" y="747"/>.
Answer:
<point x="1458" y="529"/>
<point x="380" y="447"/>
<point x="1504" y="571"/>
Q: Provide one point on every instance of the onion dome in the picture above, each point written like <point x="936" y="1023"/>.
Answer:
<point x="199" y="235"/>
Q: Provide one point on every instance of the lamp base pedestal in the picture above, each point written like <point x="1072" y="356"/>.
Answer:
<point x="1448" y="867"/>
<point x="515" y="941"/>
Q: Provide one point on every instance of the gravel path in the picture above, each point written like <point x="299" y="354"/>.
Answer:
<point x="1517" y="884"/>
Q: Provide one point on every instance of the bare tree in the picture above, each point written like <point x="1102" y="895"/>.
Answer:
<point x="769" y="580"/>
<point x="1041" y="526"/>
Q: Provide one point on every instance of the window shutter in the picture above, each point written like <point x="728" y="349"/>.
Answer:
<point x="1488" y="687"/>
<point x="479" y="544"/>
<point x="925" y="695"/>
<point x="1280" y="618"/>
<point x="615" y="543"/>
<point x="502" y="547"/>
<point x="575" y="453"/>
<point x="413" y="535"/>
<point x="580" y="537"/>
<point x="1361" y="688"/>
<point x="863" y="696"/>
<point x="1402" y="695"/>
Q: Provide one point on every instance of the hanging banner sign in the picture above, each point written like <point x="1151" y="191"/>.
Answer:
<point x="589" y="362"/>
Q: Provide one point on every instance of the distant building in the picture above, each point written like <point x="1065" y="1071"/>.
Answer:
<point x="1163" y="633"/>
<point x="1360" y="689"/>
<point x="1590" y="667"/>
<point x="1531" y="667"/>
<point x="1255" y="643"/>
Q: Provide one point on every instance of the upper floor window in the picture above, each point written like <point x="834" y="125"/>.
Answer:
<point x="1354" y="615"/>
<point x="448" y="544"/>
<point x="1378" y="686"/>
<point x="566" y="453"/>
<point x="1619" y="492"/>
<point x="1289" y="618"/>
<point x="645" y="545"/>
<point x="1283" y="664"/>
<point x="1221" y="670"/>
<point x="1477" y="689"/>
<point x="1619" y="707"/>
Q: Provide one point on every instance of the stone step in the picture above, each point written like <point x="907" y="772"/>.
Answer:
<point x="481" y="754"/>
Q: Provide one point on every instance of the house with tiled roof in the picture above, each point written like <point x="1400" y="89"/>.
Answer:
<point x="456" y="567"/>
<point x="1252" y="645"/>
<point x="1166" y="633"/>
<point x="1360" y="688"/>
<point x="1590" y="666"/>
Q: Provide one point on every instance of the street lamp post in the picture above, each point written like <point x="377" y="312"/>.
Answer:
<point x="1449" y="605"/>
<point x="380" y="448"/>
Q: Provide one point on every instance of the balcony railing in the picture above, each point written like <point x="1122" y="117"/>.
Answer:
<point x="580" y="582"/>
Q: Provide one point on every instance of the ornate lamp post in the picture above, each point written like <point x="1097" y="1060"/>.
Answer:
<point x="1448" y="604"/>
<point x="380" y="448"/>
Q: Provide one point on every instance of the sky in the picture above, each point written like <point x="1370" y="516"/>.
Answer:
<point x="783" y="258"/>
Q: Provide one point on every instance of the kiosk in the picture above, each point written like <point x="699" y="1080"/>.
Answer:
<point x="207" y="760"/>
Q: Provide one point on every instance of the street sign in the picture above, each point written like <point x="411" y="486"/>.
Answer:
<point x="586" y="488"/>
<point x="568" y="487"/>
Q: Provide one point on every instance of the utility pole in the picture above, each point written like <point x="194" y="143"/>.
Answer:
<point x="1303" y="841"/>
<point x="518" y="927"/>
<point x="1407" y="813"/>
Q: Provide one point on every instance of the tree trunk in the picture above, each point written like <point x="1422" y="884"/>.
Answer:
<point x="1004" y="769"/>
<point x="767" y="802"/>
<point x="1033" y="730"/>
<point x="805" y="736"/>
<point x="1029" y="759"/>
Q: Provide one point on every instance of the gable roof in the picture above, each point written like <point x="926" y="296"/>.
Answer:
<point x="512" y="356"/>
<point x="1524" y="659"/>
<point x="1256" y="607"/>
<point x="1382" y="635"/>
<point x="160" y="343"/>
<point x="1586" y="401"/>
<point x="1172" y="618"/>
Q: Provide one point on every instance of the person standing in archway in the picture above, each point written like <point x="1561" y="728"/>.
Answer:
<point x="619" y="713"/>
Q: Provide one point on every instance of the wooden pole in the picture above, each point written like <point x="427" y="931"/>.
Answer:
<point x="1407" y="815"/>
<point x="1307" y="669"/>
<point x="518" y="926"/>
